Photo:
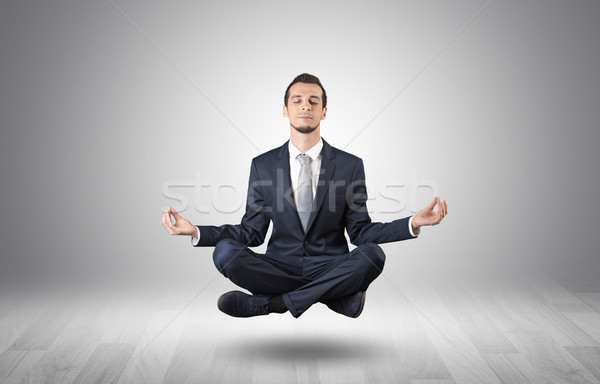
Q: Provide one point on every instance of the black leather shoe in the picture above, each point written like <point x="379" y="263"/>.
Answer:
<point x="240" y="304"/>
<point x="351" y="305"/>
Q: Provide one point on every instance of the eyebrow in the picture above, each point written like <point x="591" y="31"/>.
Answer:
<point x="311" y="97"/>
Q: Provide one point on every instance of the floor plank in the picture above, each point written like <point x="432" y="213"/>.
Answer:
<point x="156" y="347"/>
<point x="66" y="357"/>
<point x="194" y="355"/>
<point x="538" y="344"/>
<point x="105" y="364"/>
<point x="47" y="328"/>
<point x="342" y="371"/>
<point x="458" y="353"/>
<point x="432" y="381"/>
<point x="513" y="368"/>
<point x="417" y="356"/>
<point x="26" y="311"/>
<point x="588" y="357"/>
<point x="15" y="364"/>
<point x="533" y="307"/>
<point x="480" y="329"/>
<point x="589" y="322"/>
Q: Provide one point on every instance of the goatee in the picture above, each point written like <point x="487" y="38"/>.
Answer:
<point x="305" y="129"/>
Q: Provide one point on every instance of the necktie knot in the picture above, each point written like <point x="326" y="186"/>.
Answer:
<point x="303" y="158"/>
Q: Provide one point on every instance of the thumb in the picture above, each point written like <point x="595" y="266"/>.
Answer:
<point x="433" y="203"/>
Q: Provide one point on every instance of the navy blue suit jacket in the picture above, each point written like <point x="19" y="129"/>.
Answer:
<point x="340" y="204"/>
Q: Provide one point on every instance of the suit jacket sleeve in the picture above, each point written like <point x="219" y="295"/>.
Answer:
<point x="359" y="226"/>
<point x="253" y="228"/>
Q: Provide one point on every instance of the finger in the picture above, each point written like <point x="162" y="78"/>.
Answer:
<point x="432" y="204"/>
<point x="168" y="219"/>
<point x="446" y="206"/>
<point x="167" y="223"/>
<point x="164" y="220"/>
<point x="175" y="214"/>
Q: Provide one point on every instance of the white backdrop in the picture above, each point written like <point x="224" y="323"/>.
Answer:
<point x="105" y="104"/>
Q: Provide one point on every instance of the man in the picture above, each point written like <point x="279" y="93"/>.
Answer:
<point x="311" y="192"/>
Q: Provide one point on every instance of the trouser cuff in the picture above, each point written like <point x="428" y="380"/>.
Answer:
<point x="290" y="306"/>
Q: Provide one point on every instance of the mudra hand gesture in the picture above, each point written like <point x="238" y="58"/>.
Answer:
<point x="427" y="216"/>
<point x="181" y="227"/>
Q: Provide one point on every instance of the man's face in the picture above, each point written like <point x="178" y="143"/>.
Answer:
<point x="305" y="107"/>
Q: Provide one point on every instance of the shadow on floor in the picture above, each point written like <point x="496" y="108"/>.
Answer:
<point x="291" y="348"/>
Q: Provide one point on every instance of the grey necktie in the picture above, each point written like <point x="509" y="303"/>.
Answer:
<point x="304" y="190"/>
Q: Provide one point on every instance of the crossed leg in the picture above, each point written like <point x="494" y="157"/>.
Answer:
<point x="300" y="280"/>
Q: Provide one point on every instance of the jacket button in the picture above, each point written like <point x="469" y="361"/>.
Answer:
<point x="305" y="243"/>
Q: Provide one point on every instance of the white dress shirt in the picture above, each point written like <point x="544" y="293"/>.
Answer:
<point x="315" y="167"/>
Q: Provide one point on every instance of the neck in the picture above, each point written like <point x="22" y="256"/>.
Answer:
<point x="305" y="141"/>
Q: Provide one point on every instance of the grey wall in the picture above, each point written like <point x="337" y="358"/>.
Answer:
<point x="104" y="103"/>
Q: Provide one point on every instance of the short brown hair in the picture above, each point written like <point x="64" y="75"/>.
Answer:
<point x="305" y="78"/>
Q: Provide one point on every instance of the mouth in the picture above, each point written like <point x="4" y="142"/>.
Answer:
<point x="305" y="117"/>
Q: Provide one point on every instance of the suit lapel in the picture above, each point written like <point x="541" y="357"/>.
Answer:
<point x="285" y="196"/>
<point x="325" y="175"/>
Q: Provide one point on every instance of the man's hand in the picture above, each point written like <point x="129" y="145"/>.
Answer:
<point x="426" y="216"/>
<point x="181" y="226"/>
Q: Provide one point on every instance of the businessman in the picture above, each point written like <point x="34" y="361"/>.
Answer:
<point x="312" y="193"/>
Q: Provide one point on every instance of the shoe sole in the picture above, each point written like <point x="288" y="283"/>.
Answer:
<point x="362" y="305"/>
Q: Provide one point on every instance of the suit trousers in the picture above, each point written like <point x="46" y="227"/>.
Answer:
<point x="300" y="280"/>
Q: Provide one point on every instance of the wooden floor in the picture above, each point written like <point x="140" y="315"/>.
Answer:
<point x="528" y="328"/>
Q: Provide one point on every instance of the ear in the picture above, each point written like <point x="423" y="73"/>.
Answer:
<point x="324" y="114"/>
<point x="285" y="113"/>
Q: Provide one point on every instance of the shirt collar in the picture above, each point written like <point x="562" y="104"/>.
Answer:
<point x="312" y="153"/>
